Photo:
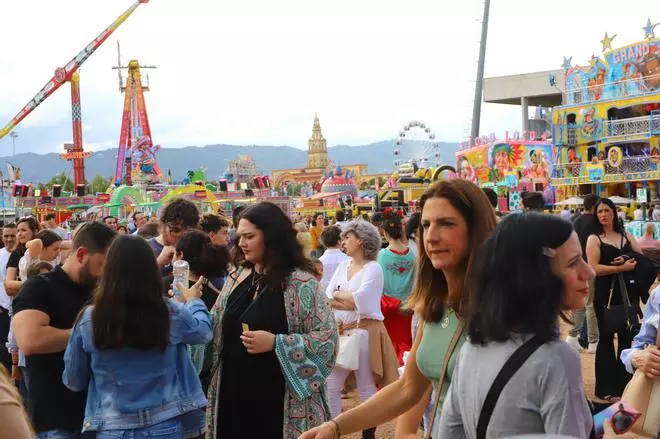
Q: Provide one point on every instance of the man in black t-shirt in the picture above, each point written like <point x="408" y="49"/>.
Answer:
<point x="584" y="227"/>
<point x="45" y="310"/>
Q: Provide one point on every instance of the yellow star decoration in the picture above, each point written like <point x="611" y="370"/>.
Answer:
<point x="607" y="42"/>
<point x="593" y="61"/>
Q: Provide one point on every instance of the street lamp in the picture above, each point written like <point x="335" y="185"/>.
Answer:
<point x="13" y="135"/>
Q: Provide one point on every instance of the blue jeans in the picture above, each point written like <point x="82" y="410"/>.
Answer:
<point x="172" y="429"/>
<point x="64" y="434"/>
<point x="190" y="425"/>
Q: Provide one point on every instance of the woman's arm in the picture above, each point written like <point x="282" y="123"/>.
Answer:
<point x="34" y="248"/>
<point x="634" y="244"/>
<point x="11" y="284"/>
<point x="637" y="356"/>
<point x="593" y="258"/>
<point x="307" y="357"/>
<point x="390" y="402"/>
<point x="76" y="362"/>
<point x="13" y="421"/>
<point x="407" y="425"/>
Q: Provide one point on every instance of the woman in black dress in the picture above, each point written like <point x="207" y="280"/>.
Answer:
<point x="605" y="250"/>
<point x="275" y="336"/>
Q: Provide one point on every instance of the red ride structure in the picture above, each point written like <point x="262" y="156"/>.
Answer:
<point x="69" y="73"/>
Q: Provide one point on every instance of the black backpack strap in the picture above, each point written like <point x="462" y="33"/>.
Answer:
<point x="508" y="370"/>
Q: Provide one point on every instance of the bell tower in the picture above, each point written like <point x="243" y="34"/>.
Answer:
<point x="317" y="147"/>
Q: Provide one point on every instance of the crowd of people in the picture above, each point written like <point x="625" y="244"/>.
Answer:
<point x="280" y="318"/>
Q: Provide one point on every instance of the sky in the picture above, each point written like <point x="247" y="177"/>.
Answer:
<point x="256" y="71"/>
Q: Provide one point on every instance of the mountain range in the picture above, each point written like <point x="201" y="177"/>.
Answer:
<point x="379" y="157"/>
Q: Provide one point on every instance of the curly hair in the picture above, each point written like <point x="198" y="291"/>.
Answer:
<point x="282" y="251"/>
<point x="181" y="212"/>
<point x="368" y="234"/>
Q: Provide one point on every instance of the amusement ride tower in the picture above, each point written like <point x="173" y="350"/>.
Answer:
<point x="136" y="156"/>
<point x="69" y="73"/>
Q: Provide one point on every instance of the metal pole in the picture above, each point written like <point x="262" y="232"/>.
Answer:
<point x="13" y="135"/>
<point x="479" y="86"/>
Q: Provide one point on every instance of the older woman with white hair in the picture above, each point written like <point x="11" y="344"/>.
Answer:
<point x="355" y="291"/>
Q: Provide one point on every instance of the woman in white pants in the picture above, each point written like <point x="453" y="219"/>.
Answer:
<point x="355" y="291"/>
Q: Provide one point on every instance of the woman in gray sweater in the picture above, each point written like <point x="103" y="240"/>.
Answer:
<point x="530" y="272"/>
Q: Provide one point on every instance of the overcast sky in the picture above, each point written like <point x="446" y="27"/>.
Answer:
<point x="255" y="71"/>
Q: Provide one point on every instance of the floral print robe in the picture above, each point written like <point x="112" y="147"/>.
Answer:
<point x="306" y="355"/>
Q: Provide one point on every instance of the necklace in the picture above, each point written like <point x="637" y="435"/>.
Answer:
<point x="445" y="321"/>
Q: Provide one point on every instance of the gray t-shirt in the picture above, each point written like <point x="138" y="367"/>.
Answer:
<point x="544" y="396"/>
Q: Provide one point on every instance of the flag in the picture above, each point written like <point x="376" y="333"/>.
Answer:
<point x="11" y="172"/>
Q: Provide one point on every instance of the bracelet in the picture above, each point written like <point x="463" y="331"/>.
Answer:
<point x="335" y="425"/>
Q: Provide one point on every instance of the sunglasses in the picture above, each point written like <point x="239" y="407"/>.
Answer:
<point x="622" y="420"/>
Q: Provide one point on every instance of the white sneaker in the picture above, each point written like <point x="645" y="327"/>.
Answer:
<point x="592" y="348"/>
<point x="573" y="341"/>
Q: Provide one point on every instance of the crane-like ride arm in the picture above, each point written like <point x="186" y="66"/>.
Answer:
<point x="64" y="74"/>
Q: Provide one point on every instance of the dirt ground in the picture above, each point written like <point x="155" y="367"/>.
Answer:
<point x="387" y="431"/>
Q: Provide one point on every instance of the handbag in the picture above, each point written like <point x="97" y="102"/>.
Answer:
<point x="643" y="393"/>
<point x="620" y="318"/>
<point x="445" y="365"/>
<point x="509" y="369"/>
<point x="348" y="354"/>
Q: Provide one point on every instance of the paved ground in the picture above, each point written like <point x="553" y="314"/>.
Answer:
<point x="387" y="431"/>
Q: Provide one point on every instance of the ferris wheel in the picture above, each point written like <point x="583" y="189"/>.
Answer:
<point x="415" y="148"/>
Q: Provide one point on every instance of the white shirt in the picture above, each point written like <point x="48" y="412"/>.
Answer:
<point x="342" y="225"/>
<point x="566" y="214"/>
<point x="638" y="215"/>
<point x="367" y="288"/>
<point x="331" y="259"/>
<point x="5" y="300"/>
<point x="656" y="214"/>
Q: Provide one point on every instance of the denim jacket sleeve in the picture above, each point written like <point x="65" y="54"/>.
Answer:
<point x="648" y="332"/>
<point x="307" y="354"/>
<point x="192" y="323"/>
<point x="76" y="373"/>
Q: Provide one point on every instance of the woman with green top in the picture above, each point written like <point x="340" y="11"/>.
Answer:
<point x="456" y="218"/>
<point x="398" y="264"/>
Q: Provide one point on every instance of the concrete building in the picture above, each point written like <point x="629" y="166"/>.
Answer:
<point x="527" y="89"/>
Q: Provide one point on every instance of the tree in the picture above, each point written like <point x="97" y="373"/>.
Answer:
<point x="61" y="179"/>
<point x="100" y="184"/>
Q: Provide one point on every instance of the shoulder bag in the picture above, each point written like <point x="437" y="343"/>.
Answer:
<point x="509" y="369"/>
<point x="443" y="373"/>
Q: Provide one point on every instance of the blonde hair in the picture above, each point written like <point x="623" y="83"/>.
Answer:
<point x="430" y="296"/>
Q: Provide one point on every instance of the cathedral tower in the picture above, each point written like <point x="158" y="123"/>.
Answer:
<point x="317" y="148"/>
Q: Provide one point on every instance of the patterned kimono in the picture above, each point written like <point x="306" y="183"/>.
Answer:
<point x="306" y="355"/>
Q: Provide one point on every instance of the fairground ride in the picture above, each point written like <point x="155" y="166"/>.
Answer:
<point x="136" y="156"/>
<point x="69" y="73"/>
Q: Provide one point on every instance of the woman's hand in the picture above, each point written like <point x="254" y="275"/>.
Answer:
<point x="648" y="361"/>
<point x="324" y="431"/>
<point x="188" y="294"/>
<point x="258" y="342"/>
<point x="610" y="434"/>
<point x="629" y="265"/>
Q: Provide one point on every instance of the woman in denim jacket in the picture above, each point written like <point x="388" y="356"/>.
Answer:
<point x="129" y="351"/>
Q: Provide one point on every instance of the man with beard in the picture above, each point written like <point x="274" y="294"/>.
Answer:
<point x="45" y="310"/>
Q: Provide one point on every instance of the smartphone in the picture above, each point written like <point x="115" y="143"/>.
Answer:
<point x="246" y="328"/>
<point x="622" y="416"/>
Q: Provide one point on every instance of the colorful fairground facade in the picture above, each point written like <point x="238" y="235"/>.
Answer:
<point x="518" y="163"/>
<point x="607" y="130"/>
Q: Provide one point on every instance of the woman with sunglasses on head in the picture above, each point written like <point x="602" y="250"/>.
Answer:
<point x="517" y="301"/>
<point x="46" y="246"/>
<point x="605" y="251"/>
<point x="456" y="218"/>
<point x="274" y="339"/>
<point x="26" y="230"/>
